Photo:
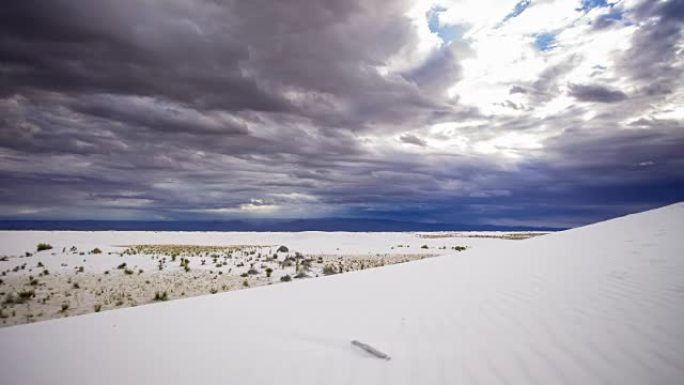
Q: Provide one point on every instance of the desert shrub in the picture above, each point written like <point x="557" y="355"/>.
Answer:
<point x="128" y="271"/>
<point x="302" y="274"/>
<point x="245" y="283"/>
<point x="95" y="251"/>
<point x="65" y="307"/>
<point x="121" y="266"/>
<point x="459" y="248"/>
<point x="286" y="278"/>
<point x="76" y="285"/>
<point x="283" y="249"/>
<point x="46" y="272"/>
<point x="80" y="269"/>
<point x="186" y="268"/>
<point x="27" y="294"/>
<point x="140" y="271"/>
<point x="424" y="247"/>
<point x="43" y="246"/>
<point x="243" y="275"/>
<point x="269" y="271"/>
<point x="252" y="271"/>
<point x="329" y="270"/>
<point x="33" y="282"/>
<point x="286" y="263"/>
<point x="40" y="264"/>
<point x="161" y="296"/>
<point x="97" y="307"/>
<point x="213" y="290"/>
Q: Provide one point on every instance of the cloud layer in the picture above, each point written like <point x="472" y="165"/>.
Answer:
<point x="431" y="111"/>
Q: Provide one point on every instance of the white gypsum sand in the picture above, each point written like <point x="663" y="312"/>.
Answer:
<point x="594" y="305"/>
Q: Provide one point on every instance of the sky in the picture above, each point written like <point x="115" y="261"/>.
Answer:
<point x="552" y="113"/>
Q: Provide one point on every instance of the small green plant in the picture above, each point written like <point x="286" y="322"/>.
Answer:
<point x="43" y="246"/>
<point x="97" y="307"/>
<point x="245" y="283"/>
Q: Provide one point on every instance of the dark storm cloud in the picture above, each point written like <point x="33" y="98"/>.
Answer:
<point x="596" y="93"/>
<point x="412" y="139"/>
<point x="195" y="109"/>
<point x="653" y="57"/>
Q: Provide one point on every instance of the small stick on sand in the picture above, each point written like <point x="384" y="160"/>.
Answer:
<point x="371" y="350"/>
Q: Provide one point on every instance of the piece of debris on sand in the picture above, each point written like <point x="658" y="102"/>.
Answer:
<point x="371" y="350"/>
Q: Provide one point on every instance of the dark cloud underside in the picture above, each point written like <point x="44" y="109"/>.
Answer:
<point x="205" y="109"/>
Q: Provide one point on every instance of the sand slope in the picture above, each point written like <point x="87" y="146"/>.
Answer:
<point x="596" y="305"/>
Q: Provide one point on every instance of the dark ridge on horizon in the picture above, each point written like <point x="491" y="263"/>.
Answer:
<point x="275" y="225"/>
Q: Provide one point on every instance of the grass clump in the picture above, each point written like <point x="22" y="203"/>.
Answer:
<point x="43" y="246"/>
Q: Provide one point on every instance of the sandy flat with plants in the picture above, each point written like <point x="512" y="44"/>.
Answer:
<point x="46" y="275"/>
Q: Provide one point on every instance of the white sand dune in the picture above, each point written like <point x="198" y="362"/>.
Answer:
<point x="603" y="304"/>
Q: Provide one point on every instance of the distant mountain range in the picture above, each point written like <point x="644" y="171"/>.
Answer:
<point x="323" y="224"/>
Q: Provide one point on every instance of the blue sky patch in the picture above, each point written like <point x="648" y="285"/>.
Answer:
<point x="447" y="33"/>
<point x="519" y="8"/>
<point x="613" y="15"/>
<point x="588" y="5"/>
<point x="545" y="41"/>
